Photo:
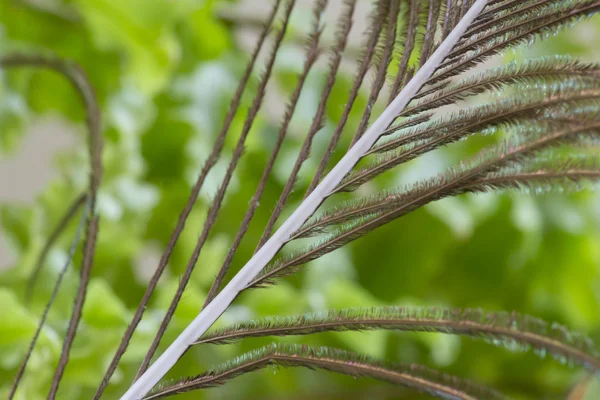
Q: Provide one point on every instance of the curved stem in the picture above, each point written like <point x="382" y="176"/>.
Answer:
<point x="75" y="74"/>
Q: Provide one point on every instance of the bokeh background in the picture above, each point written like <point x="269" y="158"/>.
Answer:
<point x="165" y="72"/>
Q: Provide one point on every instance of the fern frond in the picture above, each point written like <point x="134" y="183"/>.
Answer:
<point x="415" y="377"/>
<point x="508" y="330"/>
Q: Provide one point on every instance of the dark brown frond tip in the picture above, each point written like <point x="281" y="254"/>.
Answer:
<point x="416" y="377"/>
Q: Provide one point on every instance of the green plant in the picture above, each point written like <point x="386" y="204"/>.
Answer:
<point x="545" y="119"/>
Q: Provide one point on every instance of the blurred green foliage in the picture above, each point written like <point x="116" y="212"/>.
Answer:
<point x="164" y="72"/>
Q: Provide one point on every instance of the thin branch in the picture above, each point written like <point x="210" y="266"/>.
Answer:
<point x="430" y="30"/>
<point x="452" y="16"/>
<point x="57" y="285"/>
<point x="80" y="82"/>
<point x="86" y="269"/>
<point x="446" y="26"/>
<point x="238" y="19"/>
<point x="56" y="232"/>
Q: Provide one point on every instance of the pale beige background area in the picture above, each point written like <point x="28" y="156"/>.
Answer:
<point x="25" y="173"/>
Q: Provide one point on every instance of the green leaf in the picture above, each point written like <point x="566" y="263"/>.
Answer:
<point x="102" y="307"/>
<point x="141" y="32"/>
<point x="16" y="331"/>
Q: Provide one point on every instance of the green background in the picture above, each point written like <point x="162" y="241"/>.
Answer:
<point x="165" y="72"/>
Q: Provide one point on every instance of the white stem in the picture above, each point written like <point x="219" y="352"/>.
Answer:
<point x="219" y="304"/>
